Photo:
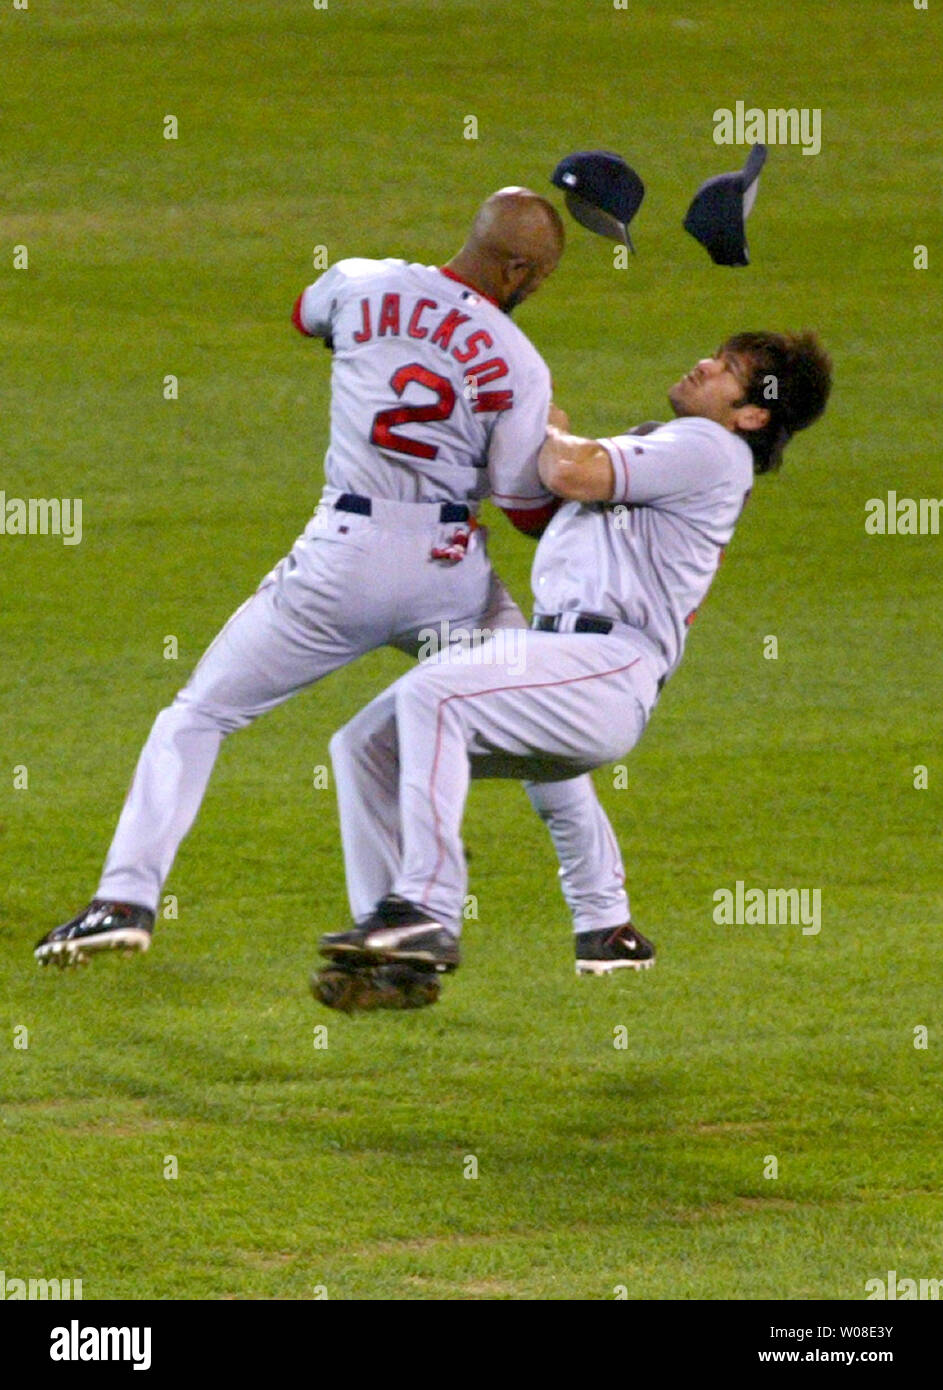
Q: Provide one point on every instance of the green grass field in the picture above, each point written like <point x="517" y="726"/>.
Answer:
<point x="343" y="1166"/>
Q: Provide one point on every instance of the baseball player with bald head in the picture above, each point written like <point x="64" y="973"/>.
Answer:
<point x="617" y="578"/>
<point x="437" y="401"/>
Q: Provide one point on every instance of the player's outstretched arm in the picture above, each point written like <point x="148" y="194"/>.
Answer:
<point x="572" y="467"/>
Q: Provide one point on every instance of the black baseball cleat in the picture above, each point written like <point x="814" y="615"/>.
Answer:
<point x="397" y="931"/>
<point x="613" y="948"/>
<point x="102" y="926"/>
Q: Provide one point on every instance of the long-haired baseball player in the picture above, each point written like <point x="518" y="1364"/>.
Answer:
<point x="617" y="578"/>
<point x="438" y="400"/>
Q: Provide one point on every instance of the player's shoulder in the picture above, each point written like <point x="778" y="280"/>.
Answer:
<point x="515" y="344"/>
<point x="695" y="426"/>
<point x="361" y="268"/>
<point x="528" y="354"/>
<point x="728" y="452"/>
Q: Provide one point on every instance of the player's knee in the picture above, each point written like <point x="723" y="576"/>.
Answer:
<point x="415" y="692"/>
<point x="573" y="798"/>
<point x="429" y="704"/>
<point x="371" y="726"/>
<point x="189" y="713"/>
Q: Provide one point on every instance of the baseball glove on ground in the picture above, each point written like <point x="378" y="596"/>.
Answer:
<point x="358" y="989"/>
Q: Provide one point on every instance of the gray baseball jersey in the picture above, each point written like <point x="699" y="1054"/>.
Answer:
<point x="472" y="392"/>
<point x="649" y="562"/>
<point x="573" y="700"/>
<point x="436" y="396"/>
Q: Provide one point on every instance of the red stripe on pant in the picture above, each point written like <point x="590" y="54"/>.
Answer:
<point x="474" y="695"/>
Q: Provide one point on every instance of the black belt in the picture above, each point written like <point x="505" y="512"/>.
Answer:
<point x="550" y="622"/>
<point x="352" y="502"/>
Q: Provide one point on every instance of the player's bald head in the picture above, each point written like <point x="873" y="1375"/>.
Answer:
<point x="516" y="223"/>
<point x="515" y="242"/>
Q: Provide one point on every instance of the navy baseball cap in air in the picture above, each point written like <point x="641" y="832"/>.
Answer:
<point x="720" y="208"/>
<point x="602" y="192"/>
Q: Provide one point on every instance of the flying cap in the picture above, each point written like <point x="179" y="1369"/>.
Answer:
<point x="602" y="192"/>
<point x="720" y="208"/>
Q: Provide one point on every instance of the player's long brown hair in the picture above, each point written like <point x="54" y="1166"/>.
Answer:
<point x="791" y="377"/>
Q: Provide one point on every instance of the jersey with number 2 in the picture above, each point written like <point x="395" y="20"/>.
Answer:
<point x="435" y="393"/>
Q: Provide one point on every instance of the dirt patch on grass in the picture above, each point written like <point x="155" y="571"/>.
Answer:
<point x="99" y="1115"/>
<point x="717" y="1211"/>
<point x="423" y="1244"/>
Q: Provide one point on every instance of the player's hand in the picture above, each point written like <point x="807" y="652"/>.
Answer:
<point x="557" y="419"/>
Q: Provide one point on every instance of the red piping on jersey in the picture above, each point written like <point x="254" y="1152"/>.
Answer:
<point x="625" y="466"/>
<point x="444" y="270"/>
<point x="296" y="317"/>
